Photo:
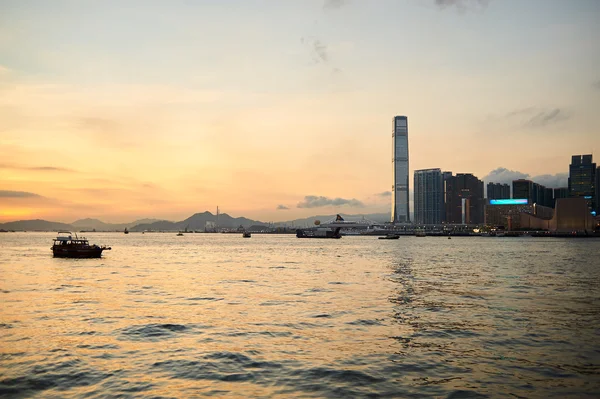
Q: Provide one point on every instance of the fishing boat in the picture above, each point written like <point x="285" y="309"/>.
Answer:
<point x="67" y="246"/>
<point x="390" y="237"/>
<point x="420" y="233"/>
<point x="246" y="234"/>
<point x="125" y="231"/>
<point x="180" y="233"/>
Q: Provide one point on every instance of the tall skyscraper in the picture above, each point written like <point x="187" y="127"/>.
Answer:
<point x="429" y="196"/>
<point x="400" y="205"/>
<point x="535" y="193"/>
<point x="597" y="191"/>
<point x="498" y="191"/>
<point x="464" y="201"/>
<point x="582" y="179"/>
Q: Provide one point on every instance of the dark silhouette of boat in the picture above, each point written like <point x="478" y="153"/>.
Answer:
<point x="246" y="234"/>
<point x="126" y="231"/>
<point x="390" y="237"/>
<point x="65" y="246"/>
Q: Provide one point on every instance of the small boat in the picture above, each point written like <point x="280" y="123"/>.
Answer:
<point x="125" y="231"/>
<point x="420" y="233"/>
<point x="65" y="246"/>
<point x="180" y="233"/>
<point x="390" y="237"/>
<point x="246" y="234"/>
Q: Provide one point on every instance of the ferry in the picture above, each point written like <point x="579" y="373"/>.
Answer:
<point x="65" y="246"/>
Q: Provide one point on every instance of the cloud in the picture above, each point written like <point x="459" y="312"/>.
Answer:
<point x="462" y="5"/>
<point x="553" y="181"/>
<point x="37" y="168"/>
<point x="503" y="175"/>
<point x="313" y="201"/>
<point x="319" y="51"/>
<point x="282" y="207"/>
<point x="18" y="194"/>
<point x="506" y="176"/>
<point x="334" y="3"/>
<point x="533" y="117"/>
<point x="384" y="194"/>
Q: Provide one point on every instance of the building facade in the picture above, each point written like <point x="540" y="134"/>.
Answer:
<point x="506" y="214"/>
<point x="582" y="179"/>
<point x="498" y="191"/>
<point x="464" y="201"/>
<point x="429" y="196"/>
<point x="400" y="203"/>
<point x="535" y="193"/>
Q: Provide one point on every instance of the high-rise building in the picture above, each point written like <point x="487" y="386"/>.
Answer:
<point x="535" y="193"/>
<point x="582" y="179"/>
<point x="400" y="205"/>
<point x="523" y="189"/>
<point x="429" y="196"/>
<point x="598" y="191"/>
<point x="464" y="200"/>
<point x="561" y="192"/>
<point x="498" y="191"/>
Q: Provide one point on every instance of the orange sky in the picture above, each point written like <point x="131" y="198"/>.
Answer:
<point x="159" y="110"/>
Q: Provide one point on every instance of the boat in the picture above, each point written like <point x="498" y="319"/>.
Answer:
<point x="126" y="231"/>
<point x="390" y="237"/>
<point x="246" y="234"/>
<point x="67" y="246"/>
<point x="180" y="233"/>
<point x="420" y="233"/>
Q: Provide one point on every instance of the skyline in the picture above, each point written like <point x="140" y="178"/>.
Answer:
<point x="160" y="110"/>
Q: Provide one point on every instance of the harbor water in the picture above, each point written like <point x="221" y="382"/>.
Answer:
<point x="162" y="316"/>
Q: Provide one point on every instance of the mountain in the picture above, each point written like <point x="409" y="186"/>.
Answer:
<point x="198" y="222"/>
<point x="37" y="224"/>
<point x="91" y="224"/>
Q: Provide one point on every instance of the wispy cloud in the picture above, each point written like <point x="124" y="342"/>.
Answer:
<point x="35" y="168"/>
<point x="533" y="117"/>
<point x="462" y="5"/>
<point x="282" y="207"/>
<point x="334" y="3"/>
<point x="319" y="51"/>
<point x="553" y="181"/>
<point x="18" y="194"/>
<point x="313" y="201"/>
<point x="384" y="194"/>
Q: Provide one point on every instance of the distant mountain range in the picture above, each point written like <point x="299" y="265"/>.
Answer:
<point x="197" y="222"/>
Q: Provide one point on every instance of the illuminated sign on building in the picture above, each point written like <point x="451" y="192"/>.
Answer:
<point x="520" y="201"/>
<point x="588" y="197"/>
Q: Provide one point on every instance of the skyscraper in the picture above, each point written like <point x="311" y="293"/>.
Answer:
<point x="498" y="191"/>
<point x="400" y="206"/>
<point x="429" y="196"/>
<point x="597" y="191"/>
<point x="582" y="179"/>
<point x="464" y="203"/>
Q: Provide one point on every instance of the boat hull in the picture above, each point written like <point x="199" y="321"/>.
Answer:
<point x="318" y="234"/>
<point x="77" y="253"/>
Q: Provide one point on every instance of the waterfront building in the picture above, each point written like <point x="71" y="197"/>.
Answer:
<point x="428" y="196"/>
<point x="582" y="179"/>
<point x="570" y="215"/>
<point x="400" y="203"/>
<point x="597" y="210"/>
<point x="505" y="213"/>
<point x="464" y="199"/>
<point x="498" y="191"/>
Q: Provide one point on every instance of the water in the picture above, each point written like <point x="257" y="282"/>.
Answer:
<point x="276" y="316"/>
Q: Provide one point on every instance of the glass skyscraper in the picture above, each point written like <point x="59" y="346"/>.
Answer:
<point x="429" y="196"/>
<point x="400" y="205"/>
<point x="582" y="176"/>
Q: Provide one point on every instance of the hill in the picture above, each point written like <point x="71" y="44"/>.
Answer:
<point x="35" y="225"/>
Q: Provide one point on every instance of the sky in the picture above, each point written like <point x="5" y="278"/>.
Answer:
<point x="276" y="110"/>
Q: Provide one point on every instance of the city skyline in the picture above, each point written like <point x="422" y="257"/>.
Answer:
<point x="280" y="110"/>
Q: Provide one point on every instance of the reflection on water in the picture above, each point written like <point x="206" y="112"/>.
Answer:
<point x="219" y="315"/>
